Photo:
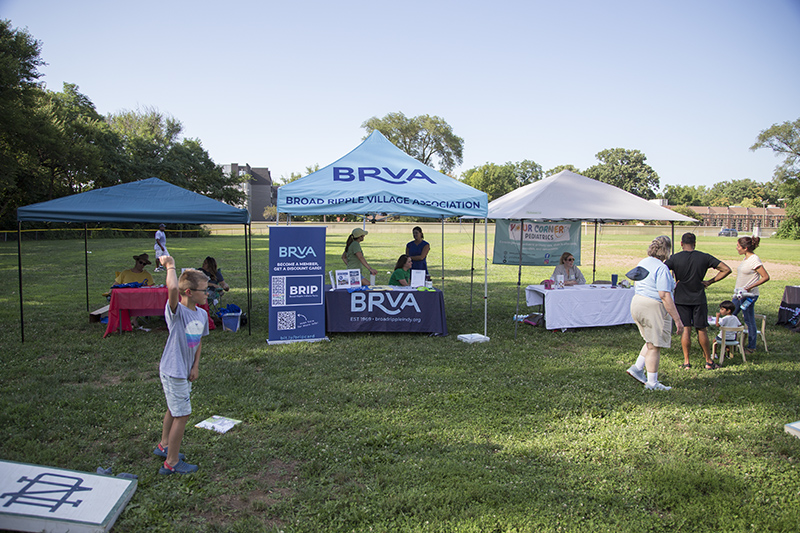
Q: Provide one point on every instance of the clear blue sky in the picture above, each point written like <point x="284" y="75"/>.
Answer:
<point x="288" y="84"/>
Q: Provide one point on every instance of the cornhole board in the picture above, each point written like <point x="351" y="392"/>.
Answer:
<point x="792" y="429"/>
<point x="43" y="498"/>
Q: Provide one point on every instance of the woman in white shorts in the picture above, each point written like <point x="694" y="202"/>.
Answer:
<point x="651" y="309"/>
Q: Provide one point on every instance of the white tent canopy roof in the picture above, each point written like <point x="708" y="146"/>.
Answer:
<point x="570" y="196"/>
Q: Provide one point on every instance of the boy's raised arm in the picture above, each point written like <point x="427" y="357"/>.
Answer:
<point x="172" y="282"/>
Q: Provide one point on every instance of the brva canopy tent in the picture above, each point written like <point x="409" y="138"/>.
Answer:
<point x="377" y="177"/>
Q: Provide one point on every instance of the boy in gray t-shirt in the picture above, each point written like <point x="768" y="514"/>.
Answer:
<point x="180" y="361"/>
<point x="726" y="318"/>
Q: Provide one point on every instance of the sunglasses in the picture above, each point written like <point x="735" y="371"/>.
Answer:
<point x="571" y="259"/>
<point x="141" y="262"/>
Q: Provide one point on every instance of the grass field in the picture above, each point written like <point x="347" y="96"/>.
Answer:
<point x="542" y="432"/>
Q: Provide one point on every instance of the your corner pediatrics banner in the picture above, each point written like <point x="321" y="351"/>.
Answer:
<point x="542" y="242"/>
<point x="297" y="273"/>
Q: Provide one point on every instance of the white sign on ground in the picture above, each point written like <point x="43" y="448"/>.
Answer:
<point x="42" y="498"/>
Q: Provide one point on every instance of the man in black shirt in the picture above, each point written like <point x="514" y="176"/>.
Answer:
<point x="690" y="268"/>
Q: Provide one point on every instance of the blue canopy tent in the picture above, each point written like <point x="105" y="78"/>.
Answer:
<point x="377" y="177"/>
<point x="145" y="201"/>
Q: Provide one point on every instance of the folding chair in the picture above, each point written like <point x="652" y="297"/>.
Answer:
<point x="725" y="344"/>
<point x="761" y="331"/>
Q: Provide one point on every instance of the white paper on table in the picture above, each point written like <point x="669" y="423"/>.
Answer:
<point x="417" y="278"/>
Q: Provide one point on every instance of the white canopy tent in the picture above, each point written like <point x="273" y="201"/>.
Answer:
<point x="570" y="196"/>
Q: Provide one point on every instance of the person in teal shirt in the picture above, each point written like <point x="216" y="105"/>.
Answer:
<point x="402" y="272"/>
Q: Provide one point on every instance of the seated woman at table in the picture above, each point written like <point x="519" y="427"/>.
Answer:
<point x="215" y="278"/>
<point x="572" y="275"/>
<point x="137" y="274"/>
<point x="402" y="275"/>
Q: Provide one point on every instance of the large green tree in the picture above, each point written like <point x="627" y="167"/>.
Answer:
<point x="744" y="192"/>
<point x="56" y="143"/>
<point x="20" y="122"/>
<point x="784" y="140"/>
<point x="426" y="138"/>
<point x="790" y="227"/>
<point x="154" y="146"/>
<point x="626" y="169"/>
<point x="78" y="151"/>
<point x="497" y="180"/>
<point x="685" y="194"/>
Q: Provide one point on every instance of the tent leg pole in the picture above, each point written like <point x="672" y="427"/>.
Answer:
<point x="19" y="269"/>
<point x="472" y="266"/>
<point x="672" y="223"/>
<point x="485" y="277"/>
<point x="519" y="276"/>
<point x="86" y="260"/>
<point x="594" y="254"/>
<point x="442" y="253"/>
<point x="248" y="284"/>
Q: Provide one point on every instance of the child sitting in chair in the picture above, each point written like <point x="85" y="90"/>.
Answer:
<point x="726" y="318"/>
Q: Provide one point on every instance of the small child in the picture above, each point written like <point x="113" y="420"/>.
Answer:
<point x="160" y="247"/>
<point x="180" y="361"/>
<point x="726" y="318"/>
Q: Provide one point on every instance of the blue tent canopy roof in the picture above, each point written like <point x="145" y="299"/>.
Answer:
<point x="145" y="201"/>
<point x="378" y="177"/>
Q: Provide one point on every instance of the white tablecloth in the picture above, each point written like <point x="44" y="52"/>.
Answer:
<point x="582" y="306"/>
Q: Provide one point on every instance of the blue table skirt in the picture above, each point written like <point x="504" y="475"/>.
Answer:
<point x="408" y="311"/>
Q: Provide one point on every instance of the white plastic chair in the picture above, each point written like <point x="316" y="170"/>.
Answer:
<point x="725" y="344"/>
<point x="761" y="331"/>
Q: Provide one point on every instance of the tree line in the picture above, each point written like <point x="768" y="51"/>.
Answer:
<point x="623" y="168"/>
<point x="54" y="144"/>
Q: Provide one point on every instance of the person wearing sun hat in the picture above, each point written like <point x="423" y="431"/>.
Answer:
<point x="353" y="257"/>
<point x="137" y="274"/>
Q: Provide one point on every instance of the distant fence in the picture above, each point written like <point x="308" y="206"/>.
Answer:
<point x="103" y="233"/>
<point x="262" y="228"/>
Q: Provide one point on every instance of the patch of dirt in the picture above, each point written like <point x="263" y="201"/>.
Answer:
<point x="273" y="485"/>
<point x="109" y="379"/>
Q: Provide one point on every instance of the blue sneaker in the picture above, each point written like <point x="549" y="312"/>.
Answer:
<point x="162" y="452"/>
<point x="180" y="468"/>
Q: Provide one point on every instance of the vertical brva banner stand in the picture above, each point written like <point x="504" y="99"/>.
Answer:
<point x="296" y="298"/>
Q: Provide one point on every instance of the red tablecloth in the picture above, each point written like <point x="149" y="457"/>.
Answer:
<point x="145" y="301"/>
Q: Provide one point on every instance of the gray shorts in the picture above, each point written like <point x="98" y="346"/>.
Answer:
<point x="177" y="392"/>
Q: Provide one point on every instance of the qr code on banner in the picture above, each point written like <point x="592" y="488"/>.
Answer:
<point x="286" y="320"/>
<point x="278" y="292"/>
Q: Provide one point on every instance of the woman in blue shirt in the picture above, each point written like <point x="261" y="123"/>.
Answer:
<point x="651" y="309"/>
<point x="418" y="250"/>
